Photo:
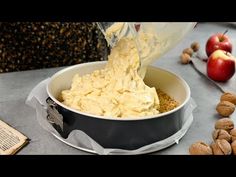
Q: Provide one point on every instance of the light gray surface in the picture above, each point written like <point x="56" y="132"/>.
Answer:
<point x="14" y="88"/>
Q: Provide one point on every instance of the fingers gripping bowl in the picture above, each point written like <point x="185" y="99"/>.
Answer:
<point x="126" y="133"/>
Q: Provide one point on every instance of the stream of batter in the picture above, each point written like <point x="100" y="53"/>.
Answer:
<point x="117" y="90"/>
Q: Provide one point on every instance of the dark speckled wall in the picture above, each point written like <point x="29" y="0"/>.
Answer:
<point x="34" y="45"/>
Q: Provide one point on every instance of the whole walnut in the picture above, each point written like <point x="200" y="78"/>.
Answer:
<point x="195" y="46"/>
<point x="233" y="146"/>
<point x="200" y="148"/>
<point x="189" y="51"/>
<point x="221" y="147"/>
<point x="225" y="108"/>
<point x="221" y="134"/>
<point x="185" y="58"/>
<point x="225" y="124"/>
<point x="233" y="134"/>
<point x="228" y="97"/>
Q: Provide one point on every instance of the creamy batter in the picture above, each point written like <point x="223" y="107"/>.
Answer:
<point x="117" y="90"/>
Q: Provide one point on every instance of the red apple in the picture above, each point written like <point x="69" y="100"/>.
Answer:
<point x="218" y="41"/>
<point x="220" y="66"/>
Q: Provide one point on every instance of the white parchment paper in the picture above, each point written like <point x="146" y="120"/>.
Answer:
<point x="37" y="100"/>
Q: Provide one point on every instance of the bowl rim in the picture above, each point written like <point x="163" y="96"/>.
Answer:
<point x="115" y="118"/>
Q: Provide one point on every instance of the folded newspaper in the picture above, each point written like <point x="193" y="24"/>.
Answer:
<point x="11" y="140"/>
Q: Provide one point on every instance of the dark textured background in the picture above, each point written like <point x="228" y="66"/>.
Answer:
<point x="34" y="45"/>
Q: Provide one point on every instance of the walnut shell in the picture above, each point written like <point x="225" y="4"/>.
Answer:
<point x="228" y="97"/>
<point x="221" y="134"/>
<point x="221" y="147"/>
<point x="185" y="58"/>
<point x="233" y="146"/>
<point x="225" y="108"/>
<point x="200" y="148"/>
<point x="195" y="46"/>
<point x="189" y="51"/>
<point x="225" y="124"/>
<point x="233" y="134"/>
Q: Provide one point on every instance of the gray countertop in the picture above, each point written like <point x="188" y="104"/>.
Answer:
<point x="15" y="87"/>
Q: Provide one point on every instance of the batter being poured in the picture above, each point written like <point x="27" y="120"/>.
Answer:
<point x="117" y="90"/>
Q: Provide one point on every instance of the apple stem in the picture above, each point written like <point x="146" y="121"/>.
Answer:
<point x="225" y="32"/>
<point x="222" y="37"/>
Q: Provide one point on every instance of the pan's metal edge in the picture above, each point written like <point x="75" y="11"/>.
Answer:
<point x="143" y="152"/>
<point x="74" y="146"/>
